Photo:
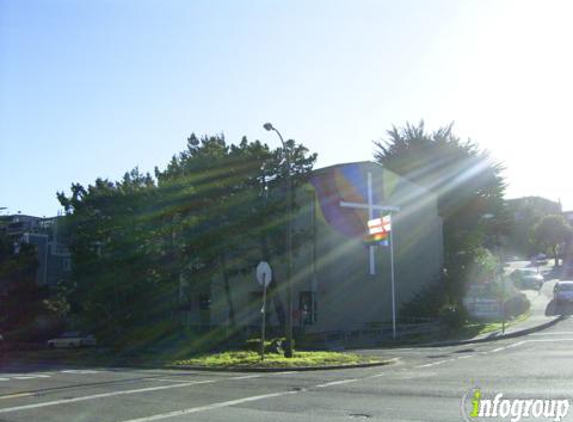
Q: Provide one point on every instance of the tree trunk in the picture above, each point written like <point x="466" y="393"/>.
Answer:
<point x="227" y="288"/>
<point x="555" y="255"/>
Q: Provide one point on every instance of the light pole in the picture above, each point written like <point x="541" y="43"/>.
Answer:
<point x="289" y="348"/>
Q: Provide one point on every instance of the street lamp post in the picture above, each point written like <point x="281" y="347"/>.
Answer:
<point x="289" y="348"/>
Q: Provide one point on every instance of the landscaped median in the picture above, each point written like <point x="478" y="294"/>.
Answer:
<point x="251" y="361"/>
<point x="234" y="360"/>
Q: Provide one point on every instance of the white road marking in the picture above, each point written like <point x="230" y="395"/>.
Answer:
<point x="15" y="396"/>
<point x="559" y="333"/>
<point x="466" y="356"/>
<point x="402" y="375"/>
<point x="79" y="371"/>
<point x="554" y="340"/>
<point x="164" y="380"/>
<point x="329" y="384"/>
<point x="509" y="346"/>
<point x="22" y="377"/>
<point x="381" y="374"/>
<point x="28" y="377"/>
<point x="499" y="349"/>
<point x="238" y="401"/>
<point x="427" y="365"/>
<point x="244" y="377"/>
<point x="123" y="392"/>
<point x="101" y="396"/>
<point x="218" y="405"/>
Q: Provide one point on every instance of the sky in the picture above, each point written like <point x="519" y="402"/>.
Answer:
<point x="93" y="89"/>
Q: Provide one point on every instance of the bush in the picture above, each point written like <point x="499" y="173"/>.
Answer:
<point x="275" y="345"/>
<point x="254" y="345"/>
<point x="453" y="316"/>
<point x="428" y="303"/>
<point x="39" y="330"/>
<point x="516" y="306"/>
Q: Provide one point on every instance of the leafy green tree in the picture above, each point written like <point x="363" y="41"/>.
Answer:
<point x="552" y="232"/>
<point x="115" y="276"/>
<point x="21" y="298"/>
<point x="214" y="211"/>
<point x="211" y="186"/>
<point x="528" y="211"/>
<point x="469" y="186"/>
<point x="240" y="190"/>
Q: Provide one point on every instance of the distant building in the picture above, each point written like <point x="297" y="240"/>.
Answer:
<point x="333" y="284"/>
<point x="54" y="258"/>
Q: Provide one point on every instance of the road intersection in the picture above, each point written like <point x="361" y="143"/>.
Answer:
<point x="428" y="383"/>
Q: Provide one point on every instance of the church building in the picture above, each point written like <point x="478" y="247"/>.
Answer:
<point x="342" y="276"/>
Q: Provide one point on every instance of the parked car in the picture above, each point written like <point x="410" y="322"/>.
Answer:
<point x="72" y="339"/>
<point x="527" y="278"/>
<point x="539" y="260"/>
<point x="565" y="271"/>
<point x="563" y="292"/>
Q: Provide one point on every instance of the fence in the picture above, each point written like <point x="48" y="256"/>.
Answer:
<point x="370" y="336"/>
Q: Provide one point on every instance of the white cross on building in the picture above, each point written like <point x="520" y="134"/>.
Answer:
<point x="371" y="207"/>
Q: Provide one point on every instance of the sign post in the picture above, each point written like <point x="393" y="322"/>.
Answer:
<point x="393" y="285"/>
<point x="263" y="311"/>
<point x="380" y="230"/>
<point x="264" y="277"/>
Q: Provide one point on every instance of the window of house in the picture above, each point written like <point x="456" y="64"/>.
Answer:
<point x="204" y="301"/>
<point x="307" y="307"/>
<point x="67" y="264"/>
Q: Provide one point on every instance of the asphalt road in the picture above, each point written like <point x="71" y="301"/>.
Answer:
<point x="426" y="385"/>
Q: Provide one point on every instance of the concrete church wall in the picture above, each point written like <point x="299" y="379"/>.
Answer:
<point x="332" y="269"/>
<point x="347" y="296"/>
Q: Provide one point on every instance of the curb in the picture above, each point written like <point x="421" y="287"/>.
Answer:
<point x="384" y="362"/>
<point x="514" y="334"/>
<point x="282" y="369"/>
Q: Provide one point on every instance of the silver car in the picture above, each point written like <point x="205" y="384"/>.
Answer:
<point x="527" y="278"/>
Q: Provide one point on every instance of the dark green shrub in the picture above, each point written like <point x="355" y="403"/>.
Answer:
<point x="428" y="303"/>
<point x="516" y="306"/>
<point x="274" y="345"/>
<point x="453" y="316"/>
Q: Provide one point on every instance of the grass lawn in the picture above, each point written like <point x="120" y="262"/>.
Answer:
<point x="466" y="332"/>
<point x="475" y="329"/>
<point x="248" y="359"/>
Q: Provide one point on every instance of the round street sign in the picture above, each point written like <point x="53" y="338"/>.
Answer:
<point x="264" y="273"/>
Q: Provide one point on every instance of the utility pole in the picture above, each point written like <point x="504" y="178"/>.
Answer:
<point x="289" y="348"/>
